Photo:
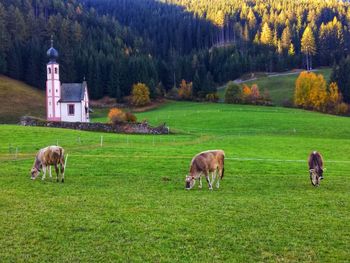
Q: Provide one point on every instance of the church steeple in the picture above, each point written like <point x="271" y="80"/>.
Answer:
<point x="52" y="53"/>
<point x="53" y="85"/>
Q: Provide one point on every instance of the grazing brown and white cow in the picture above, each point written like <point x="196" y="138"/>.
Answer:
<point x="51" y="155"/>
<point x="315" y="168"/>
<point x="203" y="164"/>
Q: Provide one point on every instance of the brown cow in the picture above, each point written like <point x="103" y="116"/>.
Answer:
<point x="51" y="155"/>
<point x="203" y="164"/>
<point x="315" y="168"/>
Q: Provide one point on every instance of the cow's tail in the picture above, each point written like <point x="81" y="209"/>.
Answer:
<point x="62" y="164"/>
<point x="223" y="166"/>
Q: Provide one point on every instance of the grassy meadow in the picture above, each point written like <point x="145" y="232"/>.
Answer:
<point x="280" y="87"/>
<point x="18" y="99"/>
<point x="125" y="201"/>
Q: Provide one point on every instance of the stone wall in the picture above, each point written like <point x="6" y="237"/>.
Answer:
<point x="130" y="128"/>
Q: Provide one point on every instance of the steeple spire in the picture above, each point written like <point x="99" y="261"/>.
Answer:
<point x="52" y="52"/>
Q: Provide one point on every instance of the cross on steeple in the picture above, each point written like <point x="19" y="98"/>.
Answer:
<point x="51" y="40"/>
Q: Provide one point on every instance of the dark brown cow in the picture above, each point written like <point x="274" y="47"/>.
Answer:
<point x="203" y="164"/>
<point x="315" y="168"/>
<point x="51" y="155"/>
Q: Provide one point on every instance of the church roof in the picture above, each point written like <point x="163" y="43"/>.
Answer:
<point x="72" y="92"/>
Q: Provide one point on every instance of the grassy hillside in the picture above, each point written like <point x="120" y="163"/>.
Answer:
<point x="125" y="201"/>
<point x="281" y="88"/>
<point x="18" y="99"/>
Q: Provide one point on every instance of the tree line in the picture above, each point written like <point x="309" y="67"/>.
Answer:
<point x="115" y="44"/>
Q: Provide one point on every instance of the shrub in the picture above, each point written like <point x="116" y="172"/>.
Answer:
<point x="266" y="95"/>
<point x="173" y="93"/>
<point x="130" y="117"/>
<point x="341" y="108"/>
<point x="246" y="94"/>
<point x="233" y="93"/>
<point x="185" y="90"/>
<point x="255" y="93"/>
<point x="159" y="90"/>
<point x="140" y="95"/>
<point x="116" y="115"/>
<point x="212" y="97"/>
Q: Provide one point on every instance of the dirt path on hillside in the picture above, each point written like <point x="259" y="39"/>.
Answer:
<point x="269" y="75"/>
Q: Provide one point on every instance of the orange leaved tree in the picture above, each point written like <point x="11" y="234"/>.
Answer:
<point x="185" y="90"/>
<point x="116" y="115"/>
<point x="246" y="93"/>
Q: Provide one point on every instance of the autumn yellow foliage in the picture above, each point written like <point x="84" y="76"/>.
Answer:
<point x="311" y="92"/>
<point x="185" y="90"/>
<point x="140" y="95"/>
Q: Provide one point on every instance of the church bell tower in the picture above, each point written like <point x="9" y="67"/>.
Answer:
<point x="53" y="86"/>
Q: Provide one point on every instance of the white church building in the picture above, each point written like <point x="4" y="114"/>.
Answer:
<point x="67" y="101"/>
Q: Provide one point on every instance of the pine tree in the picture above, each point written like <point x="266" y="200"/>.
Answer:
<point x="308" y="46"/>
<point x="266" y="37"/>
<point x="4" y="40"/>
<point x="291" y="50"/>
<point x="286" y="38"/>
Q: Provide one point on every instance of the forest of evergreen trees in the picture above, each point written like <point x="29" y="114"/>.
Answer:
<point x="116" y="43"/>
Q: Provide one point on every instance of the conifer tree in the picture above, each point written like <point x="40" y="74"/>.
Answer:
<point x="308" y="46"/>
<point x="266" y="37"/>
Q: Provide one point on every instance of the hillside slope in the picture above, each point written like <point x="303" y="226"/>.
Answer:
<point x="18" y="99"/>
<point x="280" y="86"/>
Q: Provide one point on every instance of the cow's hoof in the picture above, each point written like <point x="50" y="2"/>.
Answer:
<point x="62" y="180"/>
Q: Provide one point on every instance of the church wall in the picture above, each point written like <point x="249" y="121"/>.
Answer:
<point x="77" y="112"/>
<point x="53" y="90"/>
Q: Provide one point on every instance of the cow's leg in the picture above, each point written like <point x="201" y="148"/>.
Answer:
<point x="50" y="172"/>
<point x="219" y="178"/>
<point x="62" y="168"/>
<point x="44" y="172"/>
<point x="213" y="176"/>
<point x="62" y="175"/>
<point x="57" y="172"/>
<point x="200" y="182"/>
<point x="208" y="180"/>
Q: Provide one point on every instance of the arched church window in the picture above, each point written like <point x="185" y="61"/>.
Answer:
<point x="55" y="70"/>
<point x="49" y="70"/>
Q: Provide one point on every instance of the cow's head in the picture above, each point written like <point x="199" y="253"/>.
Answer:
<point x="34" y="172"/>
<point x="314" y="177"/>
<point x="190" y="181"/>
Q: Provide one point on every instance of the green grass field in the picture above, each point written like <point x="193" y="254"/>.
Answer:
<point x="281" y="88"/>
<point x="18" y="99"/>
<point x="126" y="202"/>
